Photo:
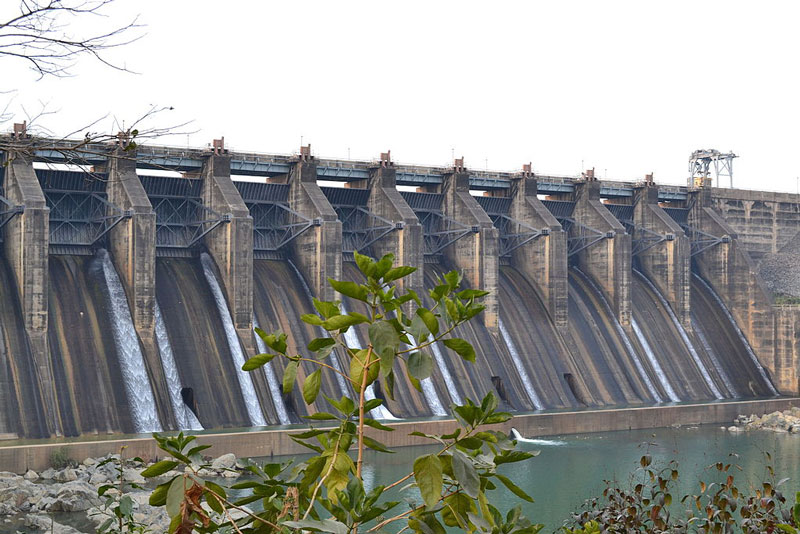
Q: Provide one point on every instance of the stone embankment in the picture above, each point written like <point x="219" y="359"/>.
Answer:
<point x="29" y="501"/>
<point x="786" y="421"/>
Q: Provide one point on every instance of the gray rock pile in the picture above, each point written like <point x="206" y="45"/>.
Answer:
<point x="32" y="496"/>
<point x="787" y="421"/>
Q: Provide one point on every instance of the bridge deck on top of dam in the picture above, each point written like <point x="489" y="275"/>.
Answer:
<point x="269" y="165"/>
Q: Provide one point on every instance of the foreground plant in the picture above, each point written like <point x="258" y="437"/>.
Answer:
<point x="326" y="493"/>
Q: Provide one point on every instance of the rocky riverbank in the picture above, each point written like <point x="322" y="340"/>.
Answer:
<point x="33" y="500"/>
<point x="786" y="421"/>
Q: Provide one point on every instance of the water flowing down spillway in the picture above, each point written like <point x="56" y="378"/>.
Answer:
<point x="234" y="345"/>
<point x="92" y="394"/>
<point x="648" y="351"/>
<point x="686" y="341"/>
<point x="538" y="356"/>
<point x="715" y="324"/>
<point x="520" y="367"/>
<point x="137" y="384"/>
<point x="272" y="381"/>
<point x="184" y="417"/>
<point x="198" y="342"/>
<point x="606" y="355"/>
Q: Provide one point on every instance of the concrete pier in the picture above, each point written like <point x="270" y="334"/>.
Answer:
<point x="476" y="255"/>
<point x="132" y="243"/>
<point x="26" y="243"/>
<point x="406" y="242"/>
<point x="668" y="263"/>
<point x="731" y="272"/>
<point x="317" y="252"/>
<point x="608" y="262"/>
<point x="544" y="259"/>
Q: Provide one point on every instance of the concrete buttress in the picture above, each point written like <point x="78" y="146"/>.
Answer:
<point x="608" y="261"/>
<point x="132" y="243"/>
<point x="544" y="259"/>
<point x="476" y="255"/>
<point x="317" y="252"/>
<point x="26" y="243"/>
<point x="406" y="242"/>
<point x="666" y="264"/>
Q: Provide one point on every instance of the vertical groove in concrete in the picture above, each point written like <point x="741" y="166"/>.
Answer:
<point x="543" y="260"/>
<point x="26" y="244"/>
<point x="667" y="264"/>
<point x="730" y="271"/>
<point x="317" y="252"/>
<point x="132" y="243"/>
<point x="608" y="261"/>
<point x="406" y="243"/>
<point x="477" y="255"/>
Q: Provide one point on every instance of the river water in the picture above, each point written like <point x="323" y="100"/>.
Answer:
<point x="571" y="469"/>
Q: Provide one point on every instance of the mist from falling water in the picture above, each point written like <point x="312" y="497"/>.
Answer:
<point x="184" y="416"/>
<point x="686" y="341"/>
<point x="631" y="352"/>
<point x="275" y="390"/>
<point x="739" y="333"/>
<point x="523" y="374"/>
<point x="137" y="385"/>
<point x="245" y="380"/>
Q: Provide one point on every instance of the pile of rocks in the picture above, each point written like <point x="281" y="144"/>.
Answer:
<point x="33" y="496"/>
<point x="787" y="421"/>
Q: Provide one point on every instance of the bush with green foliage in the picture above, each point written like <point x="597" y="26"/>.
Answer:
<point x="116" y="511"/>
<point x="326" y="493"/>
<point x="60" y="459"/>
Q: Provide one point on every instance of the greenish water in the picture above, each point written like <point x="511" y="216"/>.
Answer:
<point x="571" y="469"/>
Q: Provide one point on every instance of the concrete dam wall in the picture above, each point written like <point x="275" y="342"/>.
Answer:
<point x="128" y="295"/>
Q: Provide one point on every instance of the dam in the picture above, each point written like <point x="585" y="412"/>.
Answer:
<point x="130" y="283"/>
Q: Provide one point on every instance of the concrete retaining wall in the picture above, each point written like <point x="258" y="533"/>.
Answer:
<point x="19" y="459"/>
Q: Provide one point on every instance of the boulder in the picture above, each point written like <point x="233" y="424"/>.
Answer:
<point x="45" y="523"/>
<point x="76" y="496"/>
<point x="226" y="461"/>
<point x="66" y="475"/>
<point x="133" y="475"/>
<point x="30" y="474"/>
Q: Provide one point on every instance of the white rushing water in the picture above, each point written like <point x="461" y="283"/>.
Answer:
<point x="183" y="415"/>
<point x="637" y="362"/>
<point x="710" y="351"/>
<point x="333" y="356"/>
<point x="544" y="442"/>
<point x="245" y="380"/>
<point x="686" y="341"/>
<point x="448" y="378"/>
<point x="651" y="357"/>
<point x="739" y="333"/>
<point x="137" y="385"/>
<point x="523" y="374"/>
<point x="275" y="390"/>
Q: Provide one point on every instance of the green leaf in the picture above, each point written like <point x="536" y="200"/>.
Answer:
<point x="126" y="505"/>
<point x="350" y="289"/>
<point x="397" y="273"/>
<point x="462" y="348"/>
<point x="320" y="343"/>
<point x="383" y="265"/>
<point x="257" y="361"/>
<point x="466" y="475"/>
<point x="418" y="329"/>
<point x="383" y="336"/>
<point x="379" y="426"/>
<point x="420" y="365"/>
<point x="216" y="488"/>
<point x="365" y="264"/>
<point x="159" y="495"/>
<point x="516" y="490"/>
<point x="175" y="494"/>
<point x="343" y="322"/>
<point x="289" y="376"/>
<point x="311" y="386"/>
<point x="471" y="294"/>
<point x="357" y="368"/>
<point x="276" y="342"/>
<point x="325" y="525"/>
<point x="428" y="474"/>
<point x="326" y="309"/>
<point x="159" y="468"/>
<point x="312" y="319"/>
<point x="376" y="445"/>
<point x="345" y="405"/>
<point x="430" y="320"/>
<point x="453" y="279"/>
<point x="320" y="416"/>
<point x="457" y="506"/>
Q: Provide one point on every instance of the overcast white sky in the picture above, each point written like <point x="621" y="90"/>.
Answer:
<point x="625" y="87"/>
